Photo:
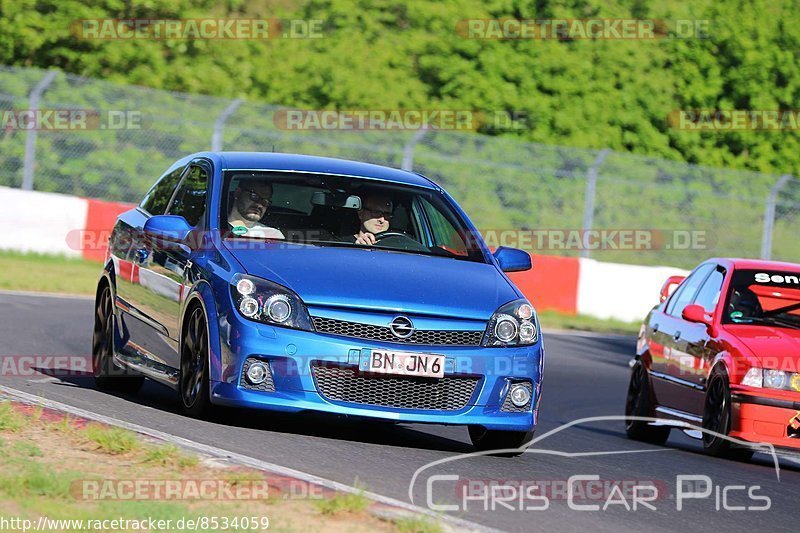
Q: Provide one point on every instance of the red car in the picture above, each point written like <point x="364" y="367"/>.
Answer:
<point x="722" y="351"/>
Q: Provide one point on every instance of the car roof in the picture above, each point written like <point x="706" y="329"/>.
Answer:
<point x="316" y="165"/>
<point x="755" y="264"/>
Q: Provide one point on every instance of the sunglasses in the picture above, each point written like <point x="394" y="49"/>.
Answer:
<point x="378" y="213"/>
<point x="257" y="198"/>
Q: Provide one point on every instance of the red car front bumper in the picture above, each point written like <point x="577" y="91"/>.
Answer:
<point x="760" y="415"/>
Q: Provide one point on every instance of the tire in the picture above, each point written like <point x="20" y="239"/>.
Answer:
<point x="107" y="375"/>
<point x="194" y="382"/>
<point x="717" y="418"/>
<point x="486" y="439"/>
<point x="639" y="402"/>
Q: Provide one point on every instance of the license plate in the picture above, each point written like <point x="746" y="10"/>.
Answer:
<point x="406" y="363"/>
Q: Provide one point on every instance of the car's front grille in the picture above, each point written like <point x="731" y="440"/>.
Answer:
<point x="383" y="333"/>
<point x="347" y="384"/>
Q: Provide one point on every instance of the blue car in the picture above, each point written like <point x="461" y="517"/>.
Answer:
<point x="298" y="283"/>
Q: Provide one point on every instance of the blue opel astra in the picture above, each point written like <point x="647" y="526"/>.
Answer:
<point x="298" y="283"/>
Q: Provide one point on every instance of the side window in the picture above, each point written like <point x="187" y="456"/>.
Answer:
<point x="687" y="290"/>
<point x="190" y="198"/>
<point x="444" y="234"/>
<point x="155" y="202"/>
<point x="708" y="295"/>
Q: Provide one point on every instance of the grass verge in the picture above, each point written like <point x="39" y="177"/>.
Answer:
<point x="342" y="503"/>
<point x="65" y="469"/>
<point x="47" y="273"/>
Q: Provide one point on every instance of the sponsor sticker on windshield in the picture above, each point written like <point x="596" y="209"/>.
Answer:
<point x="764" y="277"/>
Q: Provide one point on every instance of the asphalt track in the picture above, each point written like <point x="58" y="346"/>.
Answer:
<point x="585" y="376"/>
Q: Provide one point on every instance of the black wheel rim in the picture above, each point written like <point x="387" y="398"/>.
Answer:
<point x="193" y="358"/>
<point x="633" y="404"/>
<point x="103" y="334"/>
<point x="714" y="413"/>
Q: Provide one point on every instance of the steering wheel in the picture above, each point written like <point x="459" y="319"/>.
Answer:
<point x="387" y="234"/>
<point x="404" y="241"/>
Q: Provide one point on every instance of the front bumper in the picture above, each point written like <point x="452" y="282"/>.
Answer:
<point x="291" y="355"/>
<point x="761" y="415"/>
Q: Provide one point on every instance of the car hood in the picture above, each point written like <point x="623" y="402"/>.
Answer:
<point x="380" y="280"/>
<point x="775" y="347"/>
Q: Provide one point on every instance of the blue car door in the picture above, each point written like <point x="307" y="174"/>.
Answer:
<point x="164" y="276"/>
<point x="143" y="334"/>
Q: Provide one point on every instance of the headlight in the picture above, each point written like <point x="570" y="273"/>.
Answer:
<point x="264" y="301"/>
<point x="514" y="324"/>
<point x="772" y="379"/>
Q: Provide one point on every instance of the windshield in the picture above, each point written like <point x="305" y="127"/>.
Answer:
<point x="764" y="297"/>
<point x="324" y="210"/>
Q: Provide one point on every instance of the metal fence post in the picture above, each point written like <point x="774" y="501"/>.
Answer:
<point x="216" y="137"/>
<point x="408" y="149"/>
<point x="769" y="216"/>
<point x="588" y="206"/>
<point x="30" y="141"/>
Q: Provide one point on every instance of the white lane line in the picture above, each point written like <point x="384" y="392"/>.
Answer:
<point x="460" y="524"/>
<point x="49" y="379"/>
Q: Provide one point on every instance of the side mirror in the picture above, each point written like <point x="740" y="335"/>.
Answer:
<point x="512" y="259"/>
<point x="696" y="313"/>
<point x="670" y="285"/>
<point x="169" y="231"/>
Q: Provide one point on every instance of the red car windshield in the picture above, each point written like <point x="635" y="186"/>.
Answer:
<point x="762" y="297"/>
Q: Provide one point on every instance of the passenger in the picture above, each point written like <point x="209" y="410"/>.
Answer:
<point x="251" y="200"/>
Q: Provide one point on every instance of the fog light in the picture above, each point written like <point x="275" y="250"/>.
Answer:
<point x="278" y="308"/>
<point x="506" y="328"/>
<point x="257" y="373"/>
<point x="520" y="395"/>
<point x="248" y="307"/>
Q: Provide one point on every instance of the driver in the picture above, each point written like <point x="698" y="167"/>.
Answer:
<point x="251" y="200"/>
<point x="375" y="215"/>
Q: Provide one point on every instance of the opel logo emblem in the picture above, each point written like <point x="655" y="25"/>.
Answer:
<point x="402" y="327"/>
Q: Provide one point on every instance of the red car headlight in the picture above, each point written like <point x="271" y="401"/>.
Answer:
<point x="772" y="379"/>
